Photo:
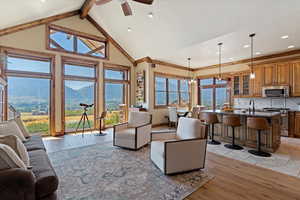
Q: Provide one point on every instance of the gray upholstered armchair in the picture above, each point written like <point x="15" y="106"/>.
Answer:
<point x="184" y="151"/>
<point x="134" y="134"/>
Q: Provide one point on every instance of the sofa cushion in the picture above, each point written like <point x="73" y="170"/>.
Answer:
<point x="35" y="142"/>
<point x="189" y="128"/>
<point x="46" y="179"/>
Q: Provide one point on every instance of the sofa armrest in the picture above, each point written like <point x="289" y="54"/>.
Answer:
<point x="185" y="155"/>
<point x="121" y="126"/>
<point x="143" y="135"/>
<point x="17" y="184"/>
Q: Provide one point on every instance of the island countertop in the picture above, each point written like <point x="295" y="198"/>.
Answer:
<point x="239" y="112"/>
<point x="245" y="136"/>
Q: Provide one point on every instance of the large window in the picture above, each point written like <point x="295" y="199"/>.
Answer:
<point x="62" y="39"/>
<point x="29" y="90"/>
<point x="80" y="82"/>
<point x="116" y="85"/>
<point x="213" y="93"/>
<point x="171" y="91"/>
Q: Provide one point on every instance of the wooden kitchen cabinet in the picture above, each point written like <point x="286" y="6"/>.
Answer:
<point x="269" y="74"/>
<point x="297" y="125"/>
<point x="241" y="85"/>
<point x="283" y="73"/>
<point x="257" y="83"/>
<point x="295" y="79"/>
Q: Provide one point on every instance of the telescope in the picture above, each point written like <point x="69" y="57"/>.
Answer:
<point x="86" y="105"/>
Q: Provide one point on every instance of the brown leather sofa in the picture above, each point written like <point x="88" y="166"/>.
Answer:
<point x="38" y="183"/>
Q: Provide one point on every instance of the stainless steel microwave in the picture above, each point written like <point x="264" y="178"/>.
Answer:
<point x="276" y="91"/>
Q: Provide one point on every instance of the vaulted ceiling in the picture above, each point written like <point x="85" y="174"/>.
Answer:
<point x="181" y="29"/>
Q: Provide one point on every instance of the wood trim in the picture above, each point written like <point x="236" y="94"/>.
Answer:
<point x="115" y="66"/>
<point x="86" y="7"/>
<point x="276" y="55"/>
<point x="159" y="62"/>
<point x="110" y="39"/>
<point x="38" y="22"/>
<point x="170" y="75"/>
<point x="77" y="33"/>
<point x="26" y="54"/>
<point x="85" y="63"/>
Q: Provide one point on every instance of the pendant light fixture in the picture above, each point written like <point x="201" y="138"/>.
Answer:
<point x="252" y="74"/>
<point x="192" y="80"/>
<point x="220" y="61"/>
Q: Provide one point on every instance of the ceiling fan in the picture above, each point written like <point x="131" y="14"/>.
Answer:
<point x="125" y="5"/>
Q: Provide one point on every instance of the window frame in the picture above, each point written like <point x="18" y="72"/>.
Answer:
<point x="82" y="63"/>
<point x="213" y="86"/>
<point x="178" y="78"/>
<point x="76" y="34"/>
<point x="126" y="82"/>
<point x="31" y="55"/>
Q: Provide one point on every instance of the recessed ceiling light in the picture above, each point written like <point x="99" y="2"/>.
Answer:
<point x="284" y="37"/>
<point x="43" y="1"/>
<point x="150" y="14"/>
<point x="257" y="53"/>
<point x="246" y="45"/>
<point x="291" y="46"/>
<point x="129" y="29"/>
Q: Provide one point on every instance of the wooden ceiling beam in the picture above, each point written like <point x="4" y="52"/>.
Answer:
<point x="38" y="22"/>
<point x="110" y="39"/>
<point x="85" y="9"/>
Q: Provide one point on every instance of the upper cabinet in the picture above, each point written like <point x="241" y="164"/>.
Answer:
<point x="280" y="73"/>
<point x="295" y="66"/>
<point x="257" y="83"/>
<point x="241" y="85"/>
<point x="277" y="74"/>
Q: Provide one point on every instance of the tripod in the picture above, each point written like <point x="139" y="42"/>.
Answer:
<point x="84" y="117"/>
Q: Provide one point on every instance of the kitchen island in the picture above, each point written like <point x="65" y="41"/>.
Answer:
<point x="270" y="139"/>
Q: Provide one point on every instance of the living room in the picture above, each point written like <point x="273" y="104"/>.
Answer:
<point x="107" y="99"/>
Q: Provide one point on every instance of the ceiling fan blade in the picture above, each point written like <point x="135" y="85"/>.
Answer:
<point x="149" y="2"/>
<point x="101" y="2"/>
<point x="126" y="9"/>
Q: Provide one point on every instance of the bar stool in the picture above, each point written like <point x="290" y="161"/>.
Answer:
<point x="233" y="121"/>
<point x="210" y="119"/>
<point x="260" y="124"/>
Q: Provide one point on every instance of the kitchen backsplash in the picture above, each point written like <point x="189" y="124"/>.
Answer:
<point x="291" y="103"/>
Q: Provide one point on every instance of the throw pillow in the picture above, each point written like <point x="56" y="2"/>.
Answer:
<point x="9" y="159"/>
<point x="10" y="127"/>
<point x="22" y="127"/>
<point x="15" y="143"/>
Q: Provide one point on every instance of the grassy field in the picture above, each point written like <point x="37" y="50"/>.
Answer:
<point x="40" y="123"/>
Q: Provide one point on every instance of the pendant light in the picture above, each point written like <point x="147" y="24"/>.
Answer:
<point x="192" y="80"/>
<point x="220" y="62"/>
<point x="252" y="74"/>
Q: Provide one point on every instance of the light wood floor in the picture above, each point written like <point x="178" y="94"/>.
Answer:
<point x="234" y="180"/>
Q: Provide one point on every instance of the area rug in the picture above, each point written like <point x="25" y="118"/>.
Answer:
<point x="104" y="172"/>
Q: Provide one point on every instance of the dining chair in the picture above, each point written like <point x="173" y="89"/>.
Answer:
<point x="173" y="117"/>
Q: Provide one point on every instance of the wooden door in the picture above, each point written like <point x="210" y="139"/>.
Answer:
<point x="269" y="74"/>
<point x="257" y="83"/>
<point x="296" y="79"/>
<point x="283" y="73"/>
<point x="297" y="125"/>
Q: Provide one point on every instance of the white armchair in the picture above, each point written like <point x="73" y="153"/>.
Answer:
<point x="134" y="134"/>
<point x="185" y="151"/>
